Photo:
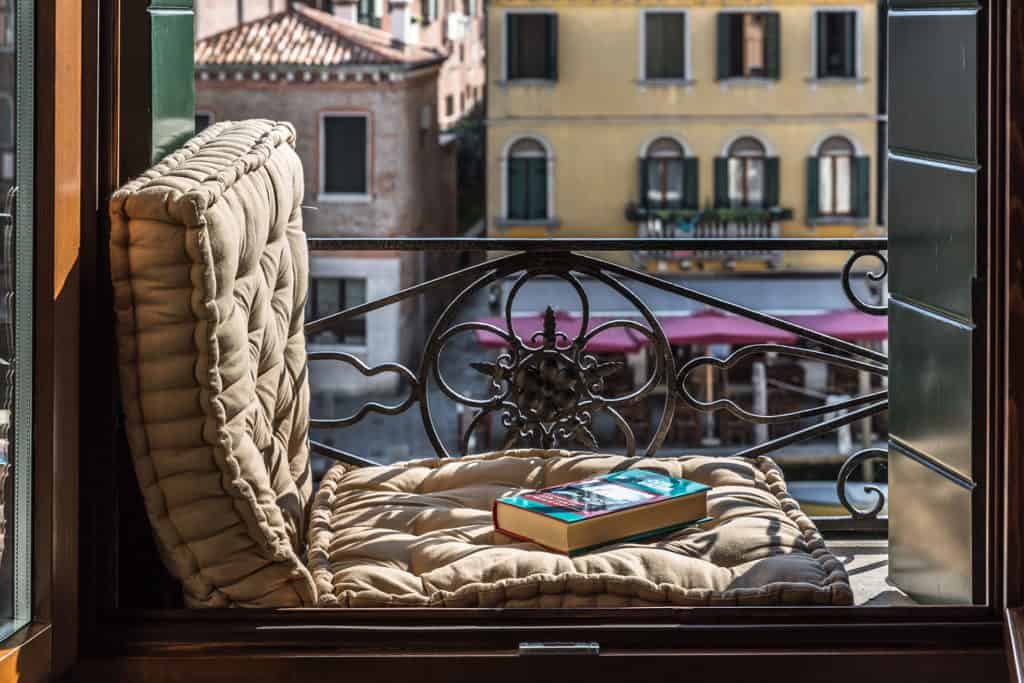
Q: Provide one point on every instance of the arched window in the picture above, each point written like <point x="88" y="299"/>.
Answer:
<point x="746" y="169"/>
<point x="835" y="177"/>
<point x="663" y="174"/>
<point x="527" y="176"/>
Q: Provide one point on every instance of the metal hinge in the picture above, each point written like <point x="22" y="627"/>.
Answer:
<point x="588" y="648"/>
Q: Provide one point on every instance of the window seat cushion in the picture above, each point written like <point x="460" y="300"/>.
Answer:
<point x="209" y="267"/>
<point x="420" y="534"/>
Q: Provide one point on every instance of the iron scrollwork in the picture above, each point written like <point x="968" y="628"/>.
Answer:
<point x="874" y="276"/>
<point x="546" y="388"/>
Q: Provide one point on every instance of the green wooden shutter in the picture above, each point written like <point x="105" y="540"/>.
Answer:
<point x="517" y="188"/>
<point x="537" y="199"/>
<point x="851" y="44"/>
<point x="771" y="182"/>
<point x="862" y="186"/>
<point x="821" y="21"/>
<point x="721" y="182"/>
<point x="726" y="68"/>
<point x="691" y="183"/>
<point x="642" y="177"/>
<point x="772" y="45"/>
<point x="511" y="45"/>
<point x="552" y="66"/>
<point x="812" y="188"/>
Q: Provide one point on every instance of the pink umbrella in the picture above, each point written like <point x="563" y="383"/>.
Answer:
<point x="847" y="324"/>
<point x="714" y="327"/>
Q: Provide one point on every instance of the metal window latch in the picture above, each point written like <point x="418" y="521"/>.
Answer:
<point x="587" y="648"/>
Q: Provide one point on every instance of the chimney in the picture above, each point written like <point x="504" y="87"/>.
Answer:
<point x="346" y="9"/>
<point x="403" y="28"/>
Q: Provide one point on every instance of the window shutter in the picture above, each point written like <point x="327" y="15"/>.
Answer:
<point x="726" y="68"/>
<point x="431" y="10"/>
<point x="517" y="188"/>
<point x="850" y="38"/>
<point x="772" y="47"/>
<point x="537" y="199"/>
<point x="812" y="188"/>
<point x="511" y="44"/>
<point x="642" y="177"/>
<point x="472" y="8"/>
<point x="691" y="183"/>
<point x="821" y="21"/>
<point x="552" y="70"/>
<point x="771" y="182"/>
<point x="721" y="182"/>
<point x="862" y="186"/>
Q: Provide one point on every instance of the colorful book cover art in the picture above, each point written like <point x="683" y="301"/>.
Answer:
<point x="611" y="493"/>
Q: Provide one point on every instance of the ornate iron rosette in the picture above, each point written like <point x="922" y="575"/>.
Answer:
<point x="547" y="388"/>
<point x="847" y="470"/>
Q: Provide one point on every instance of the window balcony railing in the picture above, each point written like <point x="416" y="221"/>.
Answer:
<point x="708" y="224"/>
<point x="547" y="387"/>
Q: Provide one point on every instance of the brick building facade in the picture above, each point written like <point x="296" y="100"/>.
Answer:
<point x="455" y="28"/>
<point x="362" y="105"/>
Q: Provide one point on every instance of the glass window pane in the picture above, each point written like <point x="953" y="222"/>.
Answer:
<point x="16" y="119"/>
<point x="654" y="182"/>
<point x="674" y="182"/>
<point x="825" y="185"/>
<point x="736" y="181"/>
<point x="843" y="185"/>
<point x="755" y="182"/>
<point x="753" y="45"/>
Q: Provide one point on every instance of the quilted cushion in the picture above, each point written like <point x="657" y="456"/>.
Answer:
<point x="421" y="535"/>
<point x="210" y="272"/>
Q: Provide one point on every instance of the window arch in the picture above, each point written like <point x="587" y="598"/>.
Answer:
<point x="746" y="172"/>
<point x="527" y="177"/>
<point x="835" y="177"/>
<point x="664" y="175"/>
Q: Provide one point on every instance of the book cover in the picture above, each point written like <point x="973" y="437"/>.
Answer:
<point x="582" y="515"/>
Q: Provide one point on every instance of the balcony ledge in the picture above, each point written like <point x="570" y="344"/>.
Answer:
<point x="554" y="222"/>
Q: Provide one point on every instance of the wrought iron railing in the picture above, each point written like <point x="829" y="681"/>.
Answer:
<point x="547" y="388"/>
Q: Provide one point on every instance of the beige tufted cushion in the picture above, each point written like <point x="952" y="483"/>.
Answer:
<point x="421" y="535"/>
<point x="210" y="275"/>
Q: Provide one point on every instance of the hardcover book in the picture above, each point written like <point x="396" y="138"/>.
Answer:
<point x="581" y="516"/>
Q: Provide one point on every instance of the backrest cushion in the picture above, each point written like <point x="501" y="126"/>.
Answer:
<point x="210" y="270"/>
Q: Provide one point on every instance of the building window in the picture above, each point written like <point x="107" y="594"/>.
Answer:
<point x="531" y="46"/>
<point x="838" y="182"/>
<point x="329" y="295"/>
<point x="748" y="45"/>
<point x="668" y="180"/>
<point x="449" y="105"/>
<point x="462" y="102"/>
<point x="835" y="177"/>
<point x="836" y="44"/>
<point x="345" y="155"/>
<point x="746" y="177"/>
<point x="664" y="45"/>
<point x="527" y="181"/>
<point x="7" y="24"/>
<point x="6" y="120"/>
<point x="203" y="120"/>
<point x="462" y="52"/>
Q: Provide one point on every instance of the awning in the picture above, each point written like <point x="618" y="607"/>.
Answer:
<point x="850" y="324"/>
<point x="616" y="339"/>
<point x="714" y="327"/>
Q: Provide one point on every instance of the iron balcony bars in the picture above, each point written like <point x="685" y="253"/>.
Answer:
<point x="547" y="388"/>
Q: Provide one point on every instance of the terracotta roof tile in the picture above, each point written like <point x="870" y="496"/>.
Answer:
<point x="305" y="37"/>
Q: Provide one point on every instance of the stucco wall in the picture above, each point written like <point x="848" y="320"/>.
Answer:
<point x="598" y="116"/>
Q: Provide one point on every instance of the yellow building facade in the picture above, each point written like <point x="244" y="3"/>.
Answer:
<point x="774" y="109"/>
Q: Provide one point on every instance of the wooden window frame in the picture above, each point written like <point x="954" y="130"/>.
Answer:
<point x="744" y="167"/>
<point x="111" y="642"/>
<point x="831" y="160"/>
